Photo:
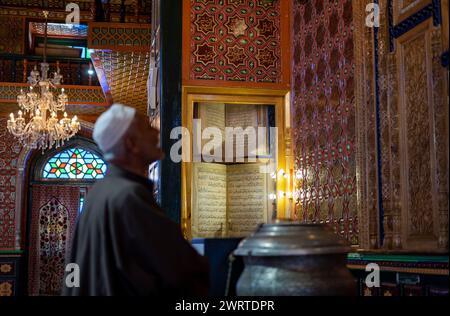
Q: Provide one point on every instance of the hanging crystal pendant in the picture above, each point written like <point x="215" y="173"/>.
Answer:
<point x="37" y="125"/>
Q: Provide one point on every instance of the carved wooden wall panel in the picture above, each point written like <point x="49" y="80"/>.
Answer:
<point x="366" y="142"/>
<point x="417" y="148"/>
<point x="445" y="26"/>
<point x="402" y="9"/>
<point x="9" y="152"/>
<point x="232" y="43"/>
<point x="402" y="118"/>
<point x="417" y="214"/>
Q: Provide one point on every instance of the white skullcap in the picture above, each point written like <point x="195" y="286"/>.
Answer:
<point x="112" y="125"/>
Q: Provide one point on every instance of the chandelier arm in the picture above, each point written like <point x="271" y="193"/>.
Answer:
<point x="46" y="13"/>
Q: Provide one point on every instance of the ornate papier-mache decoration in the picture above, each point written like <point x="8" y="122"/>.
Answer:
<point x="384" y="82"/>
<point x="393" y="119"/>
<point x="12" y="34"/>
<point x="408" y="173"/>
<point x="136" y="11"/>
<point x="53" y="228"/>
<point x="411" y="115"/>
<point x="235" y="41"/>
<point x="128" y="37"/>
<point x="365" y="129"/>
<point x="9" y="152"/>
<point x="440" y="120"/>
<point x="418" y="146"/>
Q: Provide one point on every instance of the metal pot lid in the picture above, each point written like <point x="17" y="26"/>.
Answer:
<point x="292" y="239"/>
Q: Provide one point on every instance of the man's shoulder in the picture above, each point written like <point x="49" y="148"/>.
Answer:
<point x="117" y="190"/>
<point x="116" y="184"/>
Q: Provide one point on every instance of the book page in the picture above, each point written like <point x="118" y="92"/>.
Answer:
<point x="241" y="116"/>
<point x="212" y="115"/>
<point x="263" y="138"/>
<point x="247" y="200"/>
<point x="245" y="116"/>
<point x="209" y="205"/>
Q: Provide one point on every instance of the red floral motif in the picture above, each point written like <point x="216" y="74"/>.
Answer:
<point x="226" y="37"/>
<point x="205" y="54"/>
<point x="205" y="24"/>
<point x="266" y="28"/>
<point x="266" y="58"/>
<point x="236" y="26"/>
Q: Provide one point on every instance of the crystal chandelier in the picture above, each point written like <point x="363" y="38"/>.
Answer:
<point x="37" y="125"/>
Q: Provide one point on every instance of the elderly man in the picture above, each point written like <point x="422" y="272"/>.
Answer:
<point x="123" y="242"/>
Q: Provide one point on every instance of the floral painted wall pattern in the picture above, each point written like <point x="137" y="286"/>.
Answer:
<point x="235" y="40"/>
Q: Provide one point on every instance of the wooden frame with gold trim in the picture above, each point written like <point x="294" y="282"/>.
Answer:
<point x="191" y="95"/>
<point x="285" y="40"/>
<point x="403" y="11"/>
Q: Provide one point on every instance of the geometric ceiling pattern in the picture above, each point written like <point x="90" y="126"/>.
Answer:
<point x="125" y="76"/>
<point x="121" y="57"/>
<point x="59" y="29"/>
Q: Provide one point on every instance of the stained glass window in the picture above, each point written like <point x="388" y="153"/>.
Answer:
<point x="75" y="163"/>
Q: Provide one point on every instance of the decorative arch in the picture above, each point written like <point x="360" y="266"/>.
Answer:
<point x="58" y="181"/>
<point x="26" y="172"/>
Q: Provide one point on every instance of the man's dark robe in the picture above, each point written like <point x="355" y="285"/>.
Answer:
<point x="125" y="245"/>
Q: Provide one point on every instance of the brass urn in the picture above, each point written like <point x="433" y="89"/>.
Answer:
<point x="291" y="259"/>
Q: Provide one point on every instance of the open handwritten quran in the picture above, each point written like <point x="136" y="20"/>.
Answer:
<point x="253" y="121"/>
<point x="230" y="199"/>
